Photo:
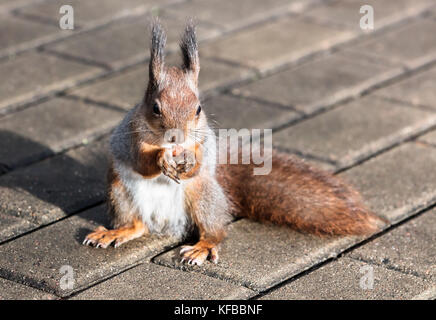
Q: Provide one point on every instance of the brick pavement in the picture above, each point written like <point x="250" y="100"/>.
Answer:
<point x="359" y="103"/>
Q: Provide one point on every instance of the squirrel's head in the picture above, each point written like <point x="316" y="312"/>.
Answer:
<point x="171" y="104"/>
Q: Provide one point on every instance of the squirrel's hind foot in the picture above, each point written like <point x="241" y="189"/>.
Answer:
<point x="102" y="237"/>
<point x="198" y="253"/>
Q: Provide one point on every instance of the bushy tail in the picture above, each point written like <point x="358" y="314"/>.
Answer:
<point x="297" y="195"/>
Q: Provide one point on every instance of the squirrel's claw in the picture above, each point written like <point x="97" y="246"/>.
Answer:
<point x="168" y="166"/>
<point x="102" y="238"/>
<point x="197" y="254"/>
<point x="214" y="255"/>
<point x="172" y="176"/>
<point x="185" y="248"/>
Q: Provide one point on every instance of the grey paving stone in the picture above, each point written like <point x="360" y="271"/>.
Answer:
<point x="56" y="187"/>
<point x="260" y="256"/>
<point x="13" y="226"/>
<point x="152" y="282"/>
<point x="233" y="14"/>
<point x="126" y="89"/>
<point x="318" y="84"/>
<point x="123" y="42"/>
<point x="36" y="259"/>
<point x="384" y="62"/>
<point x="417" y="90"/>
<point x="91" y="12"/>
<point x="274" y="43"/>
<point x="219" y="75"/>
<point x="226" y="111"/>
<point x="317" y="163"/>
<point x="20" y="33"/>
<point x="429" y="138"/>
<point x="31" y="75"/>
<point x="50" y="127"/>
<point x="341" y="279"/>
<point x="347" y="12"/>
<point x="10" y="290"/>
<point x="396" y="44"/>
<point x="8" y="5"/>
<point x="429" y="294"/>
<point x="352" y="132"/>
<point x="397" y="183"/>
<point x="409" y="248"/>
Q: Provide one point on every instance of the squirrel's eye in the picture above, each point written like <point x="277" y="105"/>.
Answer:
<point x="198" y="110"/>
<point x="156" y="109"/>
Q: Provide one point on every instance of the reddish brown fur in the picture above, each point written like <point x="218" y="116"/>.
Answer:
<point x="145" y="157"/>
<point x="103" y="237"/>
<point x="177" y="101"/>
<point x="299" y="196"/>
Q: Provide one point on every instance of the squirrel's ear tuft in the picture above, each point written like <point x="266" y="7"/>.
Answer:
<point x="188" y="45"/>
<point x="157" y="55"/>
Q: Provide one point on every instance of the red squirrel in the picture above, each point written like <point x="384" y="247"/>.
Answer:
<point x="165" y="183"/>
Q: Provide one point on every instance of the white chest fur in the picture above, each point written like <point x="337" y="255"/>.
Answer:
<point x="159" y="201"/>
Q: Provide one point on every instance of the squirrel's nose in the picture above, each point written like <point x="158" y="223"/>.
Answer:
<point x="174" y="136"/>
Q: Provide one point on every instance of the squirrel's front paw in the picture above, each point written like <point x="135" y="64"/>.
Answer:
<point x="168" y="166"/>
<point x="198" y="253"/>
<point x="185" y="161"/>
